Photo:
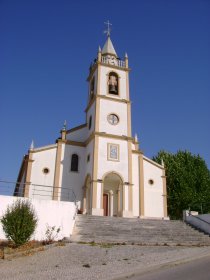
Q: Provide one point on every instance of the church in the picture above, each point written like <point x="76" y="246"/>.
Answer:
<point x="100" y="161"/>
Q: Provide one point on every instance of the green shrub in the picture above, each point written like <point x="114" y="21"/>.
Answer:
<point x="19" y="221"/>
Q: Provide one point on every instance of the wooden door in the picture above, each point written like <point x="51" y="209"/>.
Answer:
<point x="105" y="204"/>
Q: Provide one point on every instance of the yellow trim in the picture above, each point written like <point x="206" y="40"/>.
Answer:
<point x="129" y="120"/>
<point x="101" y="134"/>
<point x="130" y="179"/>
<point x="165" y="207"/>
<point x="113" y="99"/>
<point x="21" y="173"/>
<point x="107" y="135"/>
<point x="139" y="152"/>
<point x="141" y="186"/>
<point x="42" y="149"/>
<point x="28" y="174"/>
<point x="97" y="103"/>
<point x="75" y="143"/>
<point x="153" y="162"/>
<point x="57" y="170"/>
<point x="87" y="179"/>
<point x="95" y="143"/>
<point x="107" y="98"/>
<point x="95" y="172"/>
<point x="90" y="103"/>
<point x="127" y="87"/>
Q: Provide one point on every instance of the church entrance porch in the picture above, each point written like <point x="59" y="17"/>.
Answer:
<point x="106" y="204"/>
<point x="112" y="195"/>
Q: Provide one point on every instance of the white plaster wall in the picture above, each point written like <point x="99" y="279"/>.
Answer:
<point x="89" y="165"/>
<point x="95" y="75"/>
<point x="104" y="81"/>
<point x="153" y="194"/>
<point x="135" y="177"/>
<point x="53" y="213"/>
<point x="79" y="135"/>
<point x="42" y="159"/>
<point x="91" y="112"/>
<point x="107" y="107"/>
<point x="105" y="165"/>
<point x="69" y="179"/>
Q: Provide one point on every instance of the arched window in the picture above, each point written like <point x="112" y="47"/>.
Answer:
<point x="74" y="162"/>
<point x="113" y="87"/>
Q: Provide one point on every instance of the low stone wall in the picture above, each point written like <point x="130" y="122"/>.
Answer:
<point x="49" y="212"/>
<point x="201" y="222"/>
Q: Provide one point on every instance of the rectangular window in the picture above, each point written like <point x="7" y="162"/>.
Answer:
<point x="113" y="152"/>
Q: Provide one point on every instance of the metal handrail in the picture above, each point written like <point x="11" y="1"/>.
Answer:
<point x="46" y="190"/>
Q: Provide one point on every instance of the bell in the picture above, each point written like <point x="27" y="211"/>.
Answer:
<point x="112" y="88"/>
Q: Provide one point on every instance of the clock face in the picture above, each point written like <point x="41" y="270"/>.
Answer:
<point x="113" y="119"/>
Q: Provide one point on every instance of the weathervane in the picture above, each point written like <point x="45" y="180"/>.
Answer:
<point x="108" y="31"/>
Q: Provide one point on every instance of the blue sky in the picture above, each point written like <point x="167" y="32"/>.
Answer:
<point x="46" y="48"/>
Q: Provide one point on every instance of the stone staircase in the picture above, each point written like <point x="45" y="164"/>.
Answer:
<point x="136" y="231"/>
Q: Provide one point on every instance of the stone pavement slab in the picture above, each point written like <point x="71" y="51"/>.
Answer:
<point x="83" y="261"/>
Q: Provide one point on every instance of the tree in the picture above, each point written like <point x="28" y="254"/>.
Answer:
<point x="19" y="221"/>
<point x="188" y="182"/>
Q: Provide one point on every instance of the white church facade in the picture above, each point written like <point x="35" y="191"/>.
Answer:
<point x="100" y="160"/>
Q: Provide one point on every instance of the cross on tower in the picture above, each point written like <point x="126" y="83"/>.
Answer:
<point x="108" y="31"/>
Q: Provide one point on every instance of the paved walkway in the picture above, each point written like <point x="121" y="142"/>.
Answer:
<point x="81" y="261"/>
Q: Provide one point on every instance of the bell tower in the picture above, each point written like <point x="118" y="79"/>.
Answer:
<point x="108" y="115"/>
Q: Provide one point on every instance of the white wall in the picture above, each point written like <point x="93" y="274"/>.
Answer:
<point x="105" y="165"/>
<point x="91" y="112"/>
<point x="135" y="177"/>
<point x="88" y="166"/>
<point x="79" y="135"/>
<point x="68" y="178"/>
<point x="53" y="213"/>
<point x="109" y="107"/>
<point x="104" y="81"/>
<point x="42" y="159"/>
<point x="153" y="194"/>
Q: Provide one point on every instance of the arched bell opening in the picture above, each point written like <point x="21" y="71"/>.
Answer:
<point x="113" y="83"/>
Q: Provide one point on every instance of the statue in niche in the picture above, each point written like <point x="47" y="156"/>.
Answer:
<point x="113" y="83"/>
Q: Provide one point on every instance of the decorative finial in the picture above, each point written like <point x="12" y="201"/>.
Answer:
<point x="64" y="125"/>
<point x="162" y="163"/>
<point x="108" y="31"/>
<point x="136" y="138"/>
<point x="126" y="55"/>
<point x="99" y="49"/>
<point x="32" y="145"/>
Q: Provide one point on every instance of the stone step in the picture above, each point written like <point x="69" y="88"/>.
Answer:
<point x="136" y="231"/>
<point x="171" y="242"/>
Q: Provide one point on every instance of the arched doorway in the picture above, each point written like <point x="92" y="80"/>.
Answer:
<point x="112" y="194"/>
<point x="87" y="196"/>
